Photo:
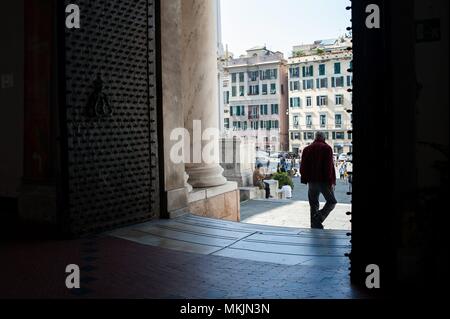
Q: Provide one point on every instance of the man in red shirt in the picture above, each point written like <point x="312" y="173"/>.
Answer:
<point x="317" y="170"/>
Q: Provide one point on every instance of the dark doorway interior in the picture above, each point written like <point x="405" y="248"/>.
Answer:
<point x="86" y="111"/>
<point x="87" y="172"/>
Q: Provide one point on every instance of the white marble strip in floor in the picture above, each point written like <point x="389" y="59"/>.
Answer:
<point x="207" y="236"/>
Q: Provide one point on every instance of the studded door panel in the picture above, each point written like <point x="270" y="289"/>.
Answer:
<point x="111" y="115"/>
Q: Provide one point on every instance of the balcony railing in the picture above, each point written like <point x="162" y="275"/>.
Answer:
<point x="253" y="116"/>
<point x="313" y="127"/>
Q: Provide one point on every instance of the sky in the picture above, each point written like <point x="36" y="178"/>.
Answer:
<point x="281" y="24"/>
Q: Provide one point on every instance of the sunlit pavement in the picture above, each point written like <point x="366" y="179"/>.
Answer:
<point x="295" y="212"/>
<point x="291" y="213"/>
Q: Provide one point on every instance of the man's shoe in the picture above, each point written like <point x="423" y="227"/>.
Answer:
<point x="316" y="222"/>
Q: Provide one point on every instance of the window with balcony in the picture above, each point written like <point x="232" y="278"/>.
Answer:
<point x="337" y="68"/>
<point x="253" y="90"/>
<point x="295" y="121"/>
<point x="254" y="125"/>
<point x="294" y="86"/>
<point x="339" y="99"/>
<point x="323" y="121"/>
<point x="349" y="80"/>
<point x="241" y="90"/>
<point x="295" y="102"/>
<point x="238" y="110"/>
<point x="321" y="69"/>
<point x="273" y="88"/>
<point x="244" y="126"/>
<point x="273" y="74"/>
<point x="253" y="112"/>
<point x="264" y="89"/>
<point x="274" y="108"/>
<point x="322" y="100"/>
<point x="264" y="110"/>
<point x="308" y="136"/>
<point x="253" y="75"/>
<point x="308" y="84"/>
<point x="226" y="97"/>
<point x="322" y="83"/>
<point x="308" y="121"/>
<point x="337" y="81"/>
<point x="307" y="71"/>
<point x="338" y="135"/>
<point x="338" y="120"/>
<point x="294" y="72"/>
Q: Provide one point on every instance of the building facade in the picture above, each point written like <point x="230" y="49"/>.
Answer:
<point x="254" y="91"/>
<point x="320" y="97"/>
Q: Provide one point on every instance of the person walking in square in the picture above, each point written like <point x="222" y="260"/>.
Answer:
<point x="318" y="171"/>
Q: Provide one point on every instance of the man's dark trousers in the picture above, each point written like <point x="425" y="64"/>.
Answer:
<point x="314" y="191"/>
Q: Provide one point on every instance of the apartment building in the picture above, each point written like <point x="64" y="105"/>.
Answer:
<point x="320" y="97"/>
<point x="255" y="94"/>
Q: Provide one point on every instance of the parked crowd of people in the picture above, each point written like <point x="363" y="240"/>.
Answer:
<point x="344" y="170"/>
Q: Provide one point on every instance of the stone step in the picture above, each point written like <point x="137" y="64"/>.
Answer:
<point x="248" y="193"/>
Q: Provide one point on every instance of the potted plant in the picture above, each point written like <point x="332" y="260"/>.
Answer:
<point x="283" y="179"/>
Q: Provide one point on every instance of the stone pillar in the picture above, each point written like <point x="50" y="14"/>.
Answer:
<point x="238" y="160"/>
<point x="199" y="85"/>
<point x="171" y="35"/>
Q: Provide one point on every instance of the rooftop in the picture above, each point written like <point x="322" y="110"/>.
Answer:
<point x="325" y="46"/>
<point x="255" y="56"/>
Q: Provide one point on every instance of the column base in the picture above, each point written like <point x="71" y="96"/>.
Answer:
<point x="201" y="176"/>
<point x="222" y="202"/>
<point x="186" y="184"/>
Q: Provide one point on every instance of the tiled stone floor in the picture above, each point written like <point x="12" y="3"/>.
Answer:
<point x="289" y="246"/>
<point x="190" y="257"/>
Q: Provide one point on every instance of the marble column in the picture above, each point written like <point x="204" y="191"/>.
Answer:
<point x="171" y="35"/>
<point x="199" y="85"/>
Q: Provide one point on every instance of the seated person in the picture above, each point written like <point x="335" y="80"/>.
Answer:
<point x="258" y="180"/>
